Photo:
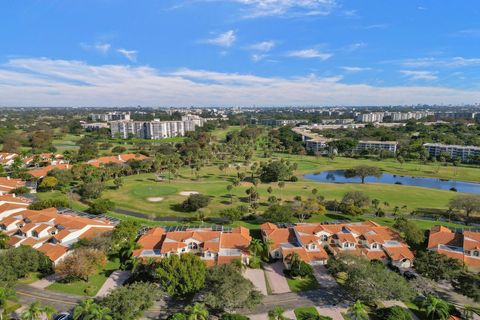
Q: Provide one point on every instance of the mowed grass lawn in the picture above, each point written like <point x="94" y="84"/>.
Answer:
<point x="90" y="287"/>
<point x="137" y="189"/>
<point x="299" y="284"/>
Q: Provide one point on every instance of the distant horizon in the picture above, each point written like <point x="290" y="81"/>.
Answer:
<point x="239" y="52"/>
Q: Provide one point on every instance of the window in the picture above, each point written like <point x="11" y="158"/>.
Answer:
<point x="374" y="246"/>
<point x="324" y="237"/>
<point x="476" y="253"/>
<point x="192" y="246"/>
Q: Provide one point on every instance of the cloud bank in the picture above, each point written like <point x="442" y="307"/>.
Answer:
<point x="47" y="82"/>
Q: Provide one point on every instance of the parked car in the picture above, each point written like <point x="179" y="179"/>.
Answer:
<point x="63" y="316"/>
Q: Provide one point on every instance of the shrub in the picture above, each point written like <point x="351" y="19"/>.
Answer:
<point x="101" y="206"/>
<point x="49" y="203"/>
<point x="20" y="190"/>
<point x="195" y="202"/>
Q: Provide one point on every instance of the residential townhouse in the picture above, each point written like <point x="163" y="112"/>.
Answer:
<point x="212" y="245"/>
<point x="42" y="172"/>
<point x="463" y="245"/>
<point x="47" y="230"/>
<point x="8" y="184"/>
<point x="309" y="241"/>
<point x="6" y="158"/>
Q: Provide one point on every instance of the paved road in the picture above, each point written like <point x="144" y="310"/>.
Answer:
<point x="61" y="301"/>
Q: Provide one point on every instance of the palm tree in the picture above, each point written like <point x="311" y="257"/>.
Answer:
<point x="83" y="309"/>
<point x="436" y="308"/>
<point x="49" y="311"/>
<point x="34" y="312"/>
<point x="276" y="314"/>
<point x="255" y="247"/>
<point x="358" y="311"/>
<point x="197" y="312"/>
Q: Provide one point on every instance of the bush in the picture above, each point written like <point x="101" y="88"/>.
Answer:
<point x="20" y="190"/>
<point x="394" y="313"/>
<point x="255" y="263"/>
<point x="101" y="206"/>
<point x="294" y="179"/>
<point x="195" y="202"/>
<point x="49" y="203"/>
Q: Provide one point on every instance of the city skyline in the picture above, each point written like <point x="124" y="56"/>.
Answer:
<point x="238" y="53"/>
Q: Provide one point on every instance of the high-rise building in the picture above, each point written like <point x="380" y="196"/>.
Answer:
<point x="155" y="129"/>
<point x="110" y="116"/>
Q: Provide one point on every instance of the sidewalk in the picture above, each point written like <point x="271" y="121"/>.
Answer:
<point x="116" y="279"/>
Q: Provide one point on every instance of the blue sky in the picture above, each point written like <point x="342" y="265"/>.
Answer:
<point x="239" y="52"/>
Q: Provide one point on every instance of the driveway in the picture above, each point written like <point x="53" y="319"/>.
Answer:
<point x="257" y="276"/>
<point x="276" y="278"/>
<point x="333" y="312"/>
<point x="116" y="279"/>
<point x="324" y="278"/>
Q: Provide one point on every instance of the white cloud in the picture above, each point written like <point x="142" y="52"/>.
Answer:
<point x="100" y="47"/>
<point x="264" y="46"/>
<point x="356" y="69"/>
<point x="356" y="46"/>
<point x="452" y="62"/>
<point x="226" y="39"/>
<point x="46" y="82"/>
<point x="129" y="54"/>
<point x="419" y="75"/>
<point x="310" y="53"/>
<point x="263" y="8"/>
<point x="258" y="57"/>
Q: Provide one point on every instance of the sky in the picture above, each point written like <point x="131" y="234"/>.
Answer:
<point x="164" y="53"/>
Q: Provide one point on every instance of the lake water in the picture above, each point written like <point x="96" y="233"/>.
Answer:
<point x="337" y="176"/>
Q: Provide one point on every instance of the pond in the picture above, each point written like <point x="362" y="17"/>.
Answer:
<point x="337" y="176"/>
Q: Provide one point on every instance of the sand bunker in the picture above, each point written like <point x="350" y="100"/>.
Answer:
<point x="188" y="193"/>
<point x="154" y="199"/>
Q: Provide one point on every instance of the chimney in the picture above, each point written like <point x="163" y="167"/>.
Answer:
<point x="14" y="195"/>
<point x="8" y="177"/>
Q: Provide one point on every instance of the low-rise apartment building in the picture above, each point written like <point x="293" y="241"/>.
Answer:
<point x="47" y="230"/>
<point x="390" y="146"/>
<point x="309" y="241"/>
<point x="212" y="245"/>
<point x="464" y="153"/>
<point x="462" y="245"/>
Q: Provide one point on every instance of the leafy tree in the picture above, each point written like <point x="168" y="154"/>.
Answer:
<point x="88" y="149"/>
<point x="358" y="311"/>
<point x="16" y="263"/>
<point x="233" y="214"/>
<point x="469" y="204"/>
<point x="436" y="266"/>
<point x="362" y="172"/>
<point x="275" y="171"/>
<point x="181" y="275"/>
<point x="227" y="289"/>
<point x="278" y="213"/>
<point x="92" y="190"/>
<point x="5" y="295"/>
<point x="369" y="282"/>
<point x="101" y="206"/>
<point x="195" y="202"/>
<point x="409" y="231"/>
<point x="48" y="183"/>
<point x="3" y="240"/>
<point x="357" y="198"/>
<point x="468" y="284"/>
<point x="81" y="264"/>
<point x="118" y="182"/>
<point x="436" y="308"/>
<point x="130" y="301"/>
<point x="124" y="234"/>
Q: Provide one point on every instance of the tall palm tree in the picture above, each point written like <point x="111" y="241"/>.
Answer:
<point x="34" y="312"/>
<point x="358" y="311"/>
<point x="255" y="247"/>
<point x="436" y="308"/>
<point x="83" y="309"/>
<point x="197" y="312"/>
<point x="49" y="311"/>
